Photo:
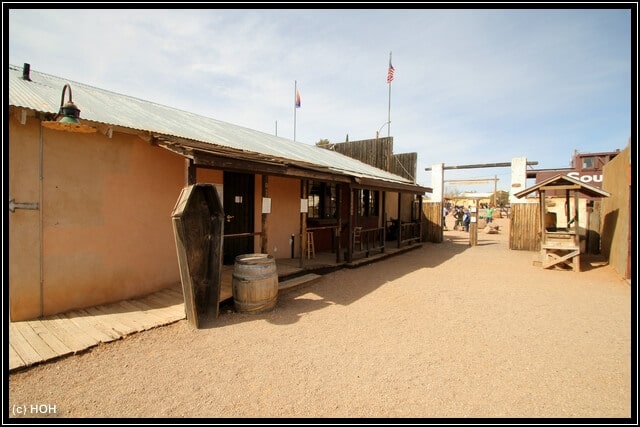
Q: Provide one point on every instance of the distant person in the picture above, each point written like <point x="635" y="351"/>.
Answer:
<point x="490" y="214"/>
<point x="445" y="212"/>
<point x="458" y="214"/>
<point x="466" y="219"/>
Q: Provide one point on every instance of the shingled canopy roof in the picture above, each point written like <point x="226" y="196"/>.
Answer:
<point x="564" y="182"/>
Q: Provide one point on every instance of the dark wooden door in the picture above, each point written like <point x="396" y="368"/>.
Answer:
<point x="238" y="215"/>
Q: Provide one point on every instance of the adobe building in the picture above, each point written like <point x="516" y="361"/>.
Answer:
<point x="91" y="202"/>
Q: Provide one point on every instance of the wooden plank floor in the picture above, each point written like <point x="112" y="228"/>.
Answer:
<point x="35" y="341"/>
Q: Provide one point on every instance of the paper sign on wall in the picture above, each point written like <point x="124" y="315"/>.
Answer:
<point x="266" y="205"/>
<point x="304" y="205"/>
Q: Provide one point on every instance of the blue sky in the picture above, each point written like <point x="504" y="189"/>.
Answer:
<point x="470" y="85"/>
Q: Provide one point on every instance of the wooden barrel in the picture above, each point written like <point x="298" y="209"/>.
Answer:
<point x="255" y="283"/>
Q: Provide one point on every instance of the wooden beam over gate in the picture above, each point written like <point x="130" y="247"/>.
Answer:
<point x="483" y="165"/>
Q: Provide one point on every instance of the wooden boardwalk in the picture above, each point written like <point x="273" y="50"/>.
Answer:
<point x="35" y="341"/>
<point x="48" y="338"/>
<point x="51" y="337"/>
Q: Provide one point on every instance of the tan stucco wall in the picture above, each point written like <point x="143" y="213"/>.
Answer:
<point x="210" y="176"/>
<point x="24" y="225"/>
<point x="284" y="219"/>
<point x="106" y="219"/>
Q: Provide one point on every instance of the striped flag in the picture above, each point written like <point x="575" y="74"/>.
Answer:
<point x="297" y="99"/>
<point x="390" y="72"/>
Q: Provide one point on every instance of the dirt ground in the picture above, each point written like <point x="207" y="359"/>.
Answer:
<point x="444" y="331"/>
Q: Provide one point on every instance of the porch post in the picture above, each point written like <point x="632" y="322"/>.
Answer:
<point x="384" y="219"/>
<point x="264" y="246"/>
<point x="437" y="196"/>
<point x="576" y="216"/>
<point x="543" y="214"/>
<point x="189" y="172"/>
<point x="352" y="218"/>
<point x="399" y="219"/>
<point x="338" y="246"/>
<point x="303" y="220"/>
<point x="420" y="215"/>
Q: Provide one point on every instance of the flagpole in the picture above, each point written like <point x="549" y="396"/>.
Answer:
<point x="295" y="107"/>
<point x="389" y="114"/>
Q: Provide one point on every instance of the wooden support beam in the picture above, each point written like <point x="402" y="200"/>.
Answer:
<point x="189" y="172"/>
<point x="483" y="165"/>
<point x="560" y="187"/>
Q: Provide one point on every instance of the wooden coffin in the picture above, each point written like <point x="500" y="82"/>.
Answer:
<point x="198" y="228"/>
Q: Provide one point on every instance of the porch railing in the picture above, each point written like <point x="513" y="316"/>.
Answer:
<point x="410" y="232"/>
<point x="371" y="239"/>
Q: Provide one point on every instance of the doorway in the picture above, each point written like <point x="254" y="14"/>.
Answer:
<point x="238" y="207"/>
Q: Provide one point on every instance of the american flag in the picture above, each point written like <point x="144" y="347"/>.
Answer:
<point x="390" y="72"/>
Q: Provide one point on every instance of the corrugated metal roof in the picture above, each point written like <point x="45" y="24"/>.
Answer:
<point x="43" y="93"/>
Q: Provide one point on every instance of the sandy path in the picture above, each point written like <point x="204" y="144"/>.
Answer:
<point x="447" y="330"/>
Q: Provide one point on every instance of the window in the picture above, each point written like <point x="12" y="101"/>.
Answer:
<point x="322" y="200"/>
<point x="587" y="163"/>
<point x="367" y="204"/>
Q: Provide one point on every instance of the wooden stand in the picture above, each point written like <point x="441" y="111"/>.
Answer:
<point x="560" y="246"/>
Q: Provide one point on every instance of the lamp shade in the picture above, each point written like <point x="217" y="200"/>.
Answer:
<point x="68" y="117"/>
<point x="71" y="113"/>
